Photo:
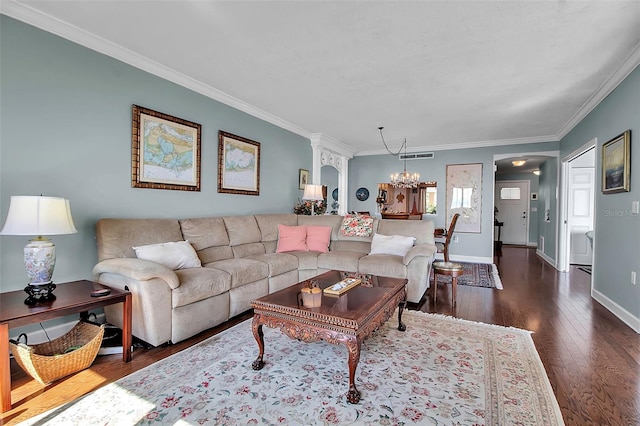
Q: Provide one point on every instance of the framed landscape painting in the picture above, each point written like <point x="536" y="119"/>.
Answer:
<point x="238" y="165"/>
<point x="165" y="151"/>
<point x="616" y="164"/>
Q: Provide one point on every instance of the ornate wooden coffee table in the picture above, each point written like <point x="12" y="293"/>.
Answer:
<point x="347" y="319"/>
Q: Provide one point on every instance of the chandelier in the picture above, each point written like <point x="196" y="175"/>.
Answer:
<point x="405" y="179"/>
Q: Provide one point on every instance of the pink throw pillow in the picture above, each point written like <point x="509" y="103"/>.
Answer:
<point x="292" y="238"/>
<point x="318" y="238"/>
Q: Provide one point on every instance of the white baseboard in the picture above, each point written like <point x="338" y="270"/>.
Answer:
<point x="617" y="310"/>
<point x="54" y="331"/>
<point x="547" y="259"/>
<point x="532" y="244"/>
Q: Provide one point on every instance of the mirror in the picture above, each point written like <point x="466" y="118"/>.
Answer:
<point x="411" y="201"/>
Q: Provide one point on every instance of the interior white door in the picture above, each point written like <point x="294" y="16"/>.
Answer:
<point x="580" y="214"/>
<point x="512" y="201"/>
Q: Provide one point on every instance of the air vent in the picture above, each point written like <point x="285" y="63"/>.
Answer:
<point x="416" y="156"/>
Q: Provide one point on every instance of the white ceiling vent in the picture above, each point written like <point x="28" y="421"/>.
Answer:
<point x="416" y="156"/>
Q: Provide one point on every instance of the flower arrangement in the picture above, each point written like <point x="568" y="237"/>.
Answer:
<point x="304" y="207"/>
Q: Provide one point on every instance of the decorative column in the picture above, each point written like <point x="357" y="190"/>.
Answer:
<point x="331" y="152"/>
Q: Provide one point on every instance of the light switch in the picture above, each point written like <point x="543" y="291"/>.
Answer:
<point x="534" y="209"/>
<point x="635" y="207"/>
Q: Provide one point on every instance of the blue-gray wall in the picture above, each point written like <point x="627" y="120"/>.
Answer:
<point x="368" y="171"/>
<point x="66" y="131"/>
<point x="548" y="208"/>
<point x="617" y="230"/>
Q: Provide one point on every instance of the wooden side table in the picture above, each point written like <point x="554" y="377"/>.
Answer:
<point x="452" y="269"/>
<point x="71" y="298"/>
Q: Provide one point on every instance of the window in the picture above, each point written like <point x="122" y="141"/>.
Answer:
<point x="510" y="194"/>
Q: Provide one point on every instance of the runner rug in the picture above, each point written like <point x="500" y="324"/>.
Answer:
<point x="475" y="274"/>
<point x="441" y="371"/>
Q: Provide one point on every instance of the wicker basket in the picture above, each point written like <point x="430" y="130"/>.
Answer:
<point x="47" y="362"/>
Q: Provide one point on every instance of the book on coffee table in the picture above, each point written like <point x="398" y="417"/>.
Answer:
<point x="341" y="287"/>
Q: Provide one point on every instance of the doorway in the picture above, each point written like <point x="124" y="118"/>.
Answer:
<point x="512" y="209"/>
<point x="578" y="170"/>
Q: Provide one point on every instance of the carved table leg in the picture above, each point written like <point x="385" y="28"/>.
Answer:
<point x="401" y="306"/>
<point x="353" y="345"/>
<point x="259" y="336"/>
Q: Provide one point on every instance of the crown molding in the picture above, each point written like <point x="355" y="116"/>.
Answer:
<point x="84" y="38"/>
<point x="331" y="144"/>
<point x="467" y="145"/>
<point x="623" y="71"/>
<point x="27" y="14"/>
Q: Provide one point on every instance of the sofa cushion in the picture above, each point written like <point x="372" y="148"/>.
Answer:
<point x="279" y="263"/>
<point x="173" y="255"/>
<point x="385" y="265"/>
<point x="340" y="260"/>
<point x="306" y="259"/>
<point x="268" y="224"/>
<point x="208" y="235"/>
<point x="397" y="245"/>
<point x="421" y="229"/>
<point x="242" y="230"/>
<point x="356" y="225"/>
<point x="318" y="238"/>
<point x="247" y="250"/>
<point x="242" y="271"/>
<point x="292" y="238"/>
<point x="198" y="284"/>
<point x="331" y="220"/>
<point x="205" y="232"/>
<point x="363" y="247"/>
<point x="116" y="237"/>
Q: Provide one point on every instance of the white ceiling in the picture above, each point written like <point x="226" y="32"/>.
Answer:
<point x="443" y="74"/>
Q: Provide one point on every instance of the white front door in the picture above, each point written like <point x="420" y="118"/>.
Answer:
<point x="512" y="202"/>
<point x="580" y="214"/>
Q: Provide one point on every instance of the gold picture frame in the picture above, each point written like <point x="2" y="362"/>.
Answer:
<point x="303" y="178"/>
<point x="616" y="164"/>
<point x="238" y="165"/>
<point x="165" y="151"/>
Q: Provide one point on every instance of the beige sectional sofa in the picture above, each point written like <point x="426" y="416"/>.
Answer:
<point x="239" y="264"/>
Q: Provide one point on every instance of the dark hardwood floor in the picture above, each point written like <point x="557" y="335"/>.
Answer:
<point x="591" y="357"/>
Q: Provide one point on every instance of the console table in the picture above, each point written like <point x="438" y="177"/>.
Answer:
<point x="72" y="297"/>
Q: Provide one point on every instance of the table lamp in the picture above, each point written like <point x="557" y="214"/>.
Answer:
<point x="312" y="193"/>
<point x="38" y="215"/>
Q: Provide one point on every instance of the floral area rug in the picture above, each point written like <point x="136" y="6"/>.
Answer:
<point x="475" y="274"/>
<point x="441" y="371"/>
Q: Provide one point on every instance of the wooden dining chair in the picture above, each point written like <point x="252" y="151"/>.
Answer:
<point x="443" y="246"/>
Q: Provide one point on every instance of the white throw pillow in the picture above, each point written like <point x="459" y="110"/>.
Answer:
<point x="178" y="255"/>
<point x="391" y="244"/>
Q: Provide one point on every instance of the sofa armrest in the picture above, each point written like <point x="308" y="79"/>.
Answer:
<point x="426" y="250"/>
<point x="137" y="269"/>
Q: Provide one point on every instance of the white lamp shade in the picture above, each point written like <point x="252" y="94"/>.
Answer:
<point x="312" y="192"/>
<point x="37" y="215"/>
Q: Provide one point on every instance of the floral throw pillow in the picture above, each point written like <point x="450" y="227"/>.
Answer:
<point x="356" y="226"/>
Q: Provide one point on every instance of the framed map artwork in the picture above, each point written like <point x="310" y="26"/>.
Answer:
<point x="464" y="196"/>
<point x="165" y="151"/>
<point x="238" y="165"/>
